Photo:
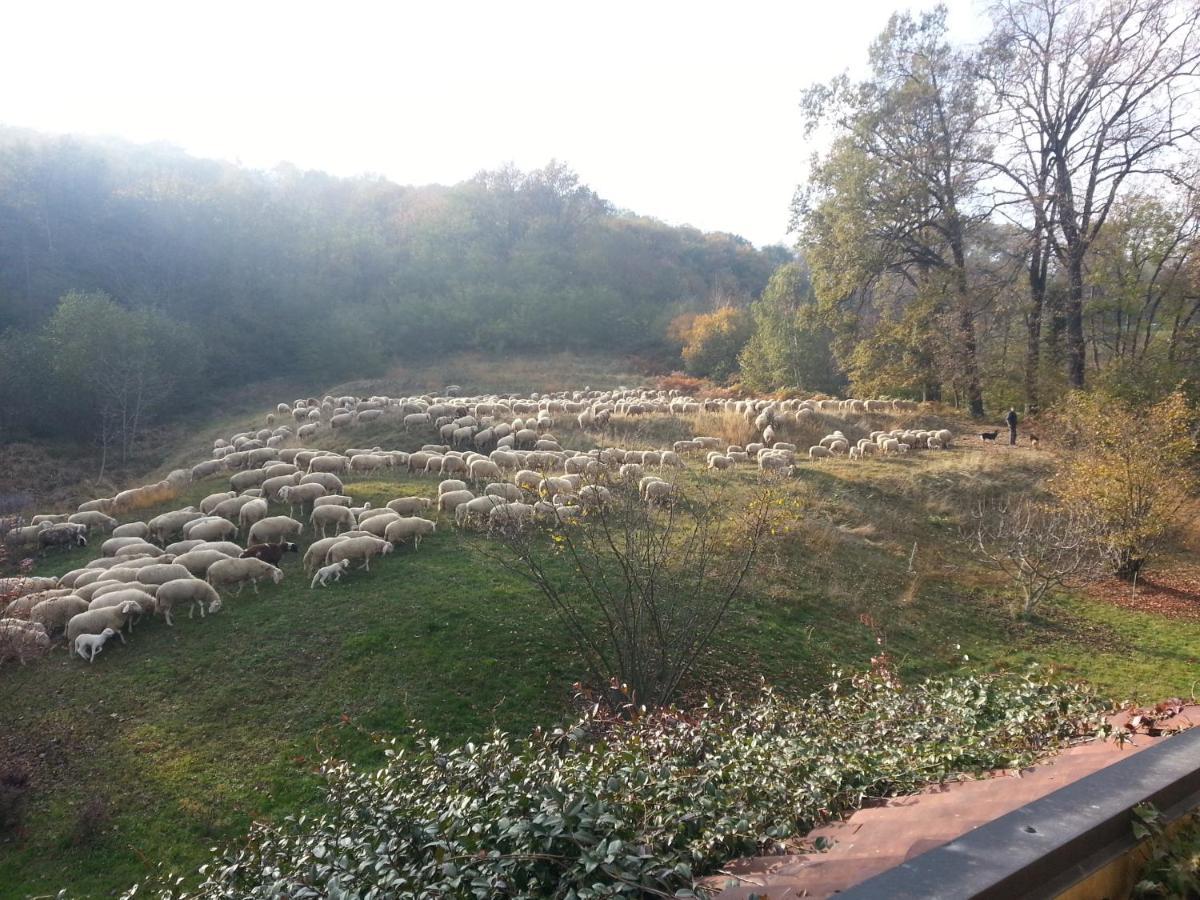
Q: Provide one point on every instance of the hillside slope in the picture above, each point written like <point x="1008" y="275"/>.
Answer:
<point x="178" y="740"/>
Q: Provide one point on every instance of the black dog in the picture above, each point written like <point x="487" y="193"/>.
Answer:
<point x="989" y="435"/>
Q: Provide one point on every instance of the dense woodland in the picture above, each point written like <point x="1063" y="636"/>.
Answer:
<point x="990" y="225"/>
<point x="133" y="279"/>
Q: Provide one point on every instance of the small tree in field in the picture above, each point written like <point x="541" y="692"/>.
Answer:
<point x="1037" y="547"/>
<point x="641" y="589"/>
<point x="1129" y="471"/>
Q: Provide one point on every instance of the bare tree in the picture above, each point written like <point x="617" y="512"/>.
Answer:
<point x="641" y="589"/>
<point x="1037" y="547"/>
<point x="1092" y="96"/>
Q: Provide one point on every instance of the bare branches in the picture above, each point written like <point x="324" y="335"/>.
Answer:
<point x="641" y="589"/>
<point x="1035" y="546"/>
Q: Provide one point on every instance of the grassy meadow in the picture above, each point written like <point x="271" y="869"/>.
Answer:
<point x="174" y="743"/>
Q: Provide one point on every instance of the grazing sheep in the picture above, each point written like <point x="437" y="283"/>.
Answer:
<point x="22" y="641"/>
<point x="88" y="645"/>
<point x="239" y="571"/>
<point x="157" y="573"/>
<point x="212" y="500"/>
<point x="274" y="530"/>
<point x="210" y="528"/>
<point x="269" y="553"/>
<point x="332" y="500"/>
<point x="449" y="501"/>
<point x="300" y="494"/>
<point x="54" y="613"/>
<point x="363" y="548"/>
<point x="337" y="516"/>
<point x="198" y="561"/>
<point x="406" y="506"/>
<point x="20" y="585"/>
<point x="192" y="591"/>
<point x="169" y="525"/>
<point x="401" y="530"/>
<point x="314" y="556"/>
<point x="92" y="520"/>
<point x="818" y="452"/>
<point x="95" y="621"/>
<point x="331" y="572"/>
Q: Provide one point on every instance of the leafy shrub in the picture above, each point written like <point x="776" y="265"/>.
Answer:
<point x="1129" y="472"/>
<point x="616" y="807"/>
<point x="714" y="340"/>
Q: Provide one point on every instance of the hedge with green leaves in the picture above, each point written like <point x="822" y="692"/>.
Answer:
<point x="610" y="808"/>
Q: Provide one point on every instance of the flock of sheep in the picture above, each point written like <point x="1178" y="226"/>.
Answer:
<point x="498" y="466"/>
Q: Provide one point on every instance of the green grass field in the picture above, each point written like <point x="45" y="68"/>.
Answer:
<point x="173" y="744"/>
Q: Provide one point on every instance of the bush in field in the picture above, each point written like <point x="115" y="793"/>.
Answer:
<point x="611" y="807"/>
<point x="1129" y="470"/>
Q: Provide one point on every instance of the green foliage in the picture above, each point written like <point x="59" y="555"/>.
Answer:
<point x="1173" y="866"/>
<point x="608" y="808"/>
<point x="790" y="346"/>
<point x="713" y="341"/>
<point x="287" y="273"/>
<point x="1129" y="472"/>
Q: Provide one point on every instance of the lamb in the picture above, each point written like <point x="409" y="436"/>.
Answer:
<point x="359" y="548"/>
<point x="331" y="572"/>
<point x="401" y="530"/>
<point x="88" y="645"/>
<point x="94" y="621"/>
<point x="192" y="591"/>
<point x="21" y="640"/>
<point x="269" y="553"/>
<point x="239" y="571"/>
<point x="337" y="516"/>
<point x="274" y="530"/>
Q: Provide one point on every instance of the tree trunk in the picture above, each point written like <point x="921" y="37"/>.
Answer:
<point x="1033" y="324"/>
<point x="1076" y="346"/>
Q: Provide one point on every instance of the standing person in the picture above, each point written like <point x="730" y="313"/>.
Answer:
<point x="1011" y="419"/>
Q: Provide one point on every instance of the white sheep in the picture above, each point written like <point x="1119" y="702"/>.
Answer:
<point x="192" y="591"/>
<point x="239" y="571"/>
<point x="88" y="645"/>
<point x="274" y="530"/>
<point x="401" y="530"/>
<point x="331" y="572"/>
<point x="338" y="516"/>
<point x="95" y="621"/>
<point x="363" y="548"/>
<point x="21" y="640"/>
<point x="818" y="452"/>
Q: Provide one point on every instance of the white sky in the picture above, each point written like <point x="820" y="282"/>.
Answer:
<point x="683" y="111"/>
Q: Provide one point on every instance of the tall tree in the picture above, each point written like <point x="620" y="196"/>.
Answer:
<point x="900" y="189"/>
<point x="1101" y="94"/>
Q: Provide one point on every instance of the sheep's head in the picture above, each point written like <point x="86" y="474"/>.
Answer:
<point x="276" y="575"/>
<point x="345" y="563"/>
<point x="107" y="633"/>
<point x="215" y="605"/>
<point x="130" y="608"/>
<point x="291" y="547"/>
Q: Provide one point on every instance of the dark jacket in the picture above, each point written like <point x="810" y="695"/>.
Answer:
<point x="1011" y="418"/>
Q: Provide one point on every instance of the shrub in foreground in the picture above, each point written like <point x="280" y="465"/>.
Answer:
<point x="610" y="807"/>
